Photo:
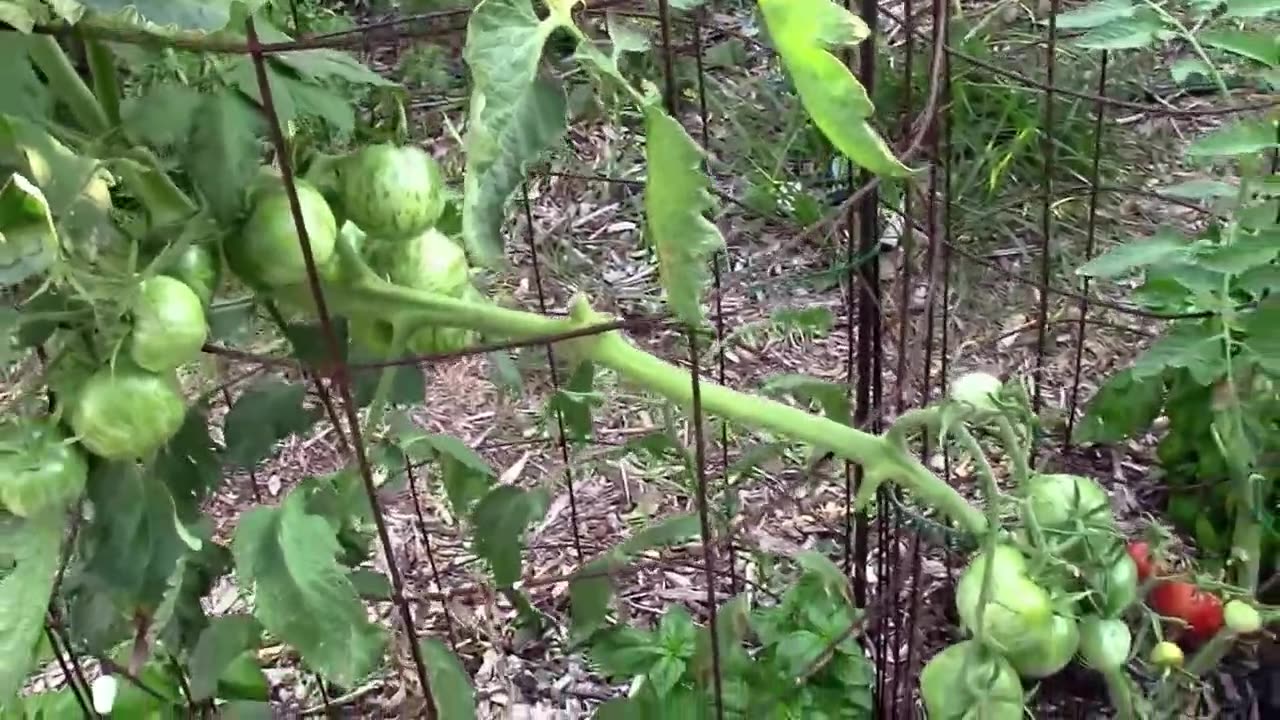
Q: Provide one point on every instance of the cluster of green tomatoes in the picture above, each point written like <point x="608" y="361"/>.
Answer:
<point x="125" y="402"/>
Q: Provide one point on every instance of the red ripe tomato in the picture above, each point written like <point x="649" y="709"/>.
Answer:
<point x="1201" y="611"/>
<point x="1141" y="553"/>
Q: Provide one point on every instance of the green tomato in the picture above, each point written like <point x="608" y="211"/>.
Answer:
<point x="1241" y="617"/>
<point x="40" y="469"/>
<point x="1104" y="642"/>
<point x="200" y="268"/>
<point x="391" y="191"/>
<point x="979" y="390"/>
<point x="1018" y="611"/>
<point x="1115" y="587"/>
<point x="1050" y="651"/>
<point x="1057" y="500"/>
<point x="966" y="681"/>
<point x="169" y="326"/>
<point x="428" y="261"/>
<point x="266" y="253"/>
<point x="125" y="412"/>
<point x="1167" y="655"/>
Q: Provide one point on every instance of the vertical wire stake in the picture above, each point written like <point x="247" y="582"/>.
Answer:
<point x="1046" y="212"/>
<point x="704" y="522"/>
<point x="341" y="371"/>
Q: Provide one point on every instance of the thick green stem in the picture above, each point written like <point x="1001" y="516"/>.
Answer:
<point x="991" y="495"/>
<point x="370" y="296"/>
<point x="67" y="85"/>
<point x="880" y="457"/>
<point x="1016" y="451"/>
<point x="1121" y="692"/>
<point x="106" y="83"/>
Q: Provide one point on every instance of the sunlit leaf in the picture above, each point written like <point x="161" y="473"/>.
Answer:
<point x="1095" y="14"/>
<point x="1242" y="137"/>
<point x="287" y="559"/>
<point x="1164" y="245"/>
<point x="515" y="115"/>
<point x="450" y="687"/>
<point x="804" y="32"/>
<point x="1191" y="345"/>
<point x="28" y="238"/>
<point x="29" y="551"/>
<point x="1256" y="45"/>
<point x="676" y="200"/>
<point x="1128" y="34"/>
<point x="500" y="519"/>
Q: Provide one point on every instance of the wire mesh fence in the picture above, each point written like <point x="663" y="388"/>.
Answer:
<point x="899" y="265"/>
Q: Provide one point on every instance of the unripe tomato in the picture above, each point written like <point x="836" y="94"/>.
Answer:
<point x="1167" y="655"/>
<point x="267" y="253"/>
<point x="1242" y="617"/>
<point x="168" y="325"/>
<point x="39" y="468"/>
<point x="391" y="191"/>
<point x="200" y="268"/>
<point x="1058" y="500"/>
<point x="1018" y="610"/>
<point x="1050" y="651"/>
<point x="977" y="389"/>
<point x="1116" y="587"/>
<point x="1104" y="643"/>
<point x="427" y="261"/>
<point x="952" y="687"/>
<point x="126" y="412"/>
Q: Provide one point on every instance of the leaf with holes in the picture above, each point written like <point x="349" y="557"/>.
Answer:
<point x="189" y="464"/>
<point x="207" y="15"/>
<point x="1123" y="407"/>
<point x="451" y="689"/>
<point x="500" y="519"/>
<point x="1242" y="137"/>
<point x="29" y="551"/>
<point x="287" y="558"/>
<point x="268" y="412"/>
<point x="675" y="202"/>
<point x="227" y="638"/>
<point x="804" y="32"/>
<point x="516" y="115"/>
<point x="223" y="151"/>
<point x="1095" y="14"/>
<point x="1165" y="245"/>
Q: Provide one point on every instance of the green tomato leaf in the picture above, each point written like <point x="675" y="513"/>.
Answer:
<point x="204" y="15"/>
<point x="223" y="151"/>
<point x="804" y="32"/>
<point x="1095" y="14"/>
<point x="1123" y="407"/>
<point x="1202" y="189"/>
<point x="1246" y="252"/>
<point x="674" y="530"/>
<point x="1195" y="346"/>
<point x="1261" y="336"/>
<point x="134" y="543"/>
<point x="455" y="699"/>
<point x="500" y="519"/>
<point x="1165" y="245"/>
<point x="1128" y="34"/>
<point x="1242" y="137"/>
<point x="516" y="115"/>
<point x="665" y="674"/>
<point x="244" y="681"/>
<point x="21" y="91"/>
<point x="227" y="638"/>
<point x="269" y="411"/>
<point x="1256" y="45"/>
<point x="675" y="202"/>
<point x="627" y="35"/>
<point x="465" y="475"/>
<point x="1251" y="8"/>
<point x="798" y="650"/>
<point x="574" y="402"/>
<point x="287" y="558"/>
<point x="20" y="15"/>
<point x="63" y="176"/>
<point x="189" y="464"/>
<point x="145" y="125"/>
<point x="589" y="595"/>
<point x="29" y="551"/>
<point x="1259" y="281"/>
<point x="28" y="238"/>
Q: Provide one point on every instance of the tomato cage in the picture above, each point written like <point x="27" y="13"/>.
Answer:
<point x="679" y="437"/>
